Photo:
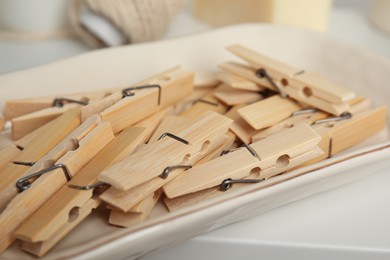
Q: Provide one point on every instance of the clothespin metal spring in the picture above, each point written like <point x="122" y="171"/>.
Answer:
<point x="262" y="73"/>
<point x="127" y="91"/>
<point x="23" y="183"/>
<point x="60" y="102"/>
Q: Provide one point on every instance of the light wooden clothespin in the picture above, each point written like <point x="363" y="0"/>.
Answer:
<point x="74" y="201"/>
<point x="34" y="149"/>
<point x="308" y="88"/>
<point x="239" y="126"/>
<point x="148" y="97"/>
<point x="340" y="133"/>
<point x="51" y="172"/>
<point x="141" y="211"/>
<point x="269" y="111"/>
<point x="274" y="152"/>
<point x="20" y="107"/>
<point x="26" y="124"/>
<point x="162" y="161"/>
<point x="238" y="82"/>
<point x="231" y="96"/>
<point x="170" y="150"/>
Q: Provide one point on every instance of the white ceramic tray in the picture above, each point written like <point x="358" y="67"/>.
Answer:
<point x="364" y="72"/>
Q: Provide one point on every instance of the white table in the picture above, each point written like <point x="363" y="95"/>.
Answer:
<point x="331" y="225"/>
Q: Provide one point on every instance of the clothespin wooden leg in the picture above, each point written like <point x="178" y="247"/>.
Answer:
<point x="54" y="133"/>
<point x="50" y="223"/>
<point x="91" y="137"/>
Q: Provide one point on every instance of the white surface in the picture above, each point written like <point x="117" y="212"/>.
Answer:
<point x="331" y="225"/>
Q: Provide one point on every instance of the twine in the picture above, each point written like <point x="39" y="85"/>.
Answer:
<point x="138" y="20"/>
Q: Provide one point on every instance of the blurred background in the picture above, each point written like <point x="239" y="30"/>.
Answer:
<point x="41" y="31"/>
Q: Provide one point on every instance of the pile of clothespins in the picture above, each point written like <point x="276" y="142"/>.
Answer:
<point x="165" y="141"/>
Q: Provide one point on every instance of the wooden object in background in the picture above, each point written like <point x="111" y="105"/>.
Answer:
<point x="306" y="13"/>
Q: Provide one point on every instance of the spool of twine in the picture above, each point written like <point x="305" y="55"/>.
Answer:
<point x="138" y="20"/>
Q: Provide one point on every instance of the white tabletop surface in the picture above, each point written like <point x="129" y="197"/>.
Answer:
<point x="330" y="225"/>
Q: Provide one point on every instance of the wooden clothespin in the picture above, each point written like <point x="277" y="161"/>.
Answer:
<point x="239" y="126"/>
<point x="340" y="133"/>
<point x="34" y="149"/>
<point x="74" y="201"/>
<point x="60" y="164"/>
<point x="20" y="107"/>
<point x="162" y="161"/>
<point x="138" y="214"/>
<point x="27" y="123"/>
<point x="152" y="122"/>
<point x="170" y="150"/>
<point x="274" y="152"/>
<point x="269" y="111"/>
<point x="309" y="116"/>
<point x="308" y="88"/>
<point x="238" y="82"/>
<point x="246" y="72"/>
<point x="142" y="210"/>
<point x="148" y="97"/>
<point x="231" y="96"/>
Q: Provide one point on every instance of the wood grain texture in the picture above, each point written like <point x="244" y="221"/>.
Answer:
<point x="240" y="127"/>
<point x="7" y="154"/>
<point x="27" y="123"/>
<point x="53" y="216"/>
<point x="54" y="133"/>
<point x="127" y="219"/>
<point x="268" y="112"/>
<point x="306" y="87"/>
<point x="231" y="96"/>
<point x="126" y="200"/>
<point x="175" y="85"/>
<point x="20" y="107"/>
<point x="2" y="122"/>
<point x="205" y="104"/>
<point x="151" y="123"/>
<point x="168" y="151"/>
<point x="238" y="82"/>
<point x="276" y="150"/>
<point x="75" y="152"/>
<point x="199" y="196"/>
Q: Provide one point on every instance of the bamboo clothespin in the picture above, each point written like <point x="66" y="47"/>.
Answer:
<point x="254" y="176"/>
<point x="61" y="213"/>
<point x="156" y="164"/>
<point x="231" y="96"/>
<point x="148" y="97"/>
<point x="339" y="134"/>
<point x="151" y="123"/>
<point x="34" y="149"/>
<point x="20" y="107"/>
<point x="139" y="214"/>
<point x="170" y="150"/>
<point x="238" y="82"/>
<point x="27" y="123"/>
<point x="308" y="88"/>
<point x="246" y="72"/>
<point x="269" y="111"/>
<point x="239" y="126"/>
<point x="275" y="152"/>
<point x="310" y="116"/>
<point x="142" y="210"/>
<point x="60" y="164"/>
